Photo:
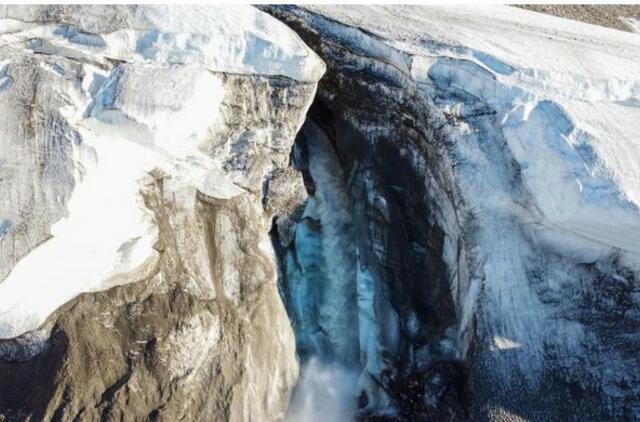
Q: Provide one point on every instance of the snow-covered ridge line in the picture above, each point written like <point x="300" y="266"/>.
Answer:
<point x="226" y="39"/>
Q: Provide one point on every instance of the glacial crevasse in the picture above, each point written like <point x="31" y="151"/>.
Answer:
<point x="490" y="160"/>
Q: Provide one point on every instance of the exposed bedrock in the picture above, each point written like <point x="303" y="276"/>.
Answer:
<point x="421" y="249"/>
<point x="166" y="348"/>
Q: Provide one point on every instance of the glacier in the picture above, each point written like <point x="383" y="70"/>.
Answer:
<point x="311" y="212"/>
<point x="522" y="133"/>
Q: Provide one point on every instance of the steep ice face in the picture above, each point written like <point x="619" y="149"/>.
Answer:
<point x="306" y="280"/>
<point x="338" y="312"/>
<point x="522" y="132"/>
<point x="349" y="274"/>
<point x="322" y="264"/>
<point x="565" y="120"/>
<point x="331" y="296"/>
<point x="157" y="109"/>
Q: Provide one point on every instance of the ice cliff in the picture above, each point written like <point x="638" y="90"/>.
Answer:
<point x="484" y="163"/>
<point x="435" y="210"/>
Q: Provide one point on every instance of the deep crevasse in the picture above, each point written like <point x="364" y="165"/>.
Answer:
<point x="540" y="220"/>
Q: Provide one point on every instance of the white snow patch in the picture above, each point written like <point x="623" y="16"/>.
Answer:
<point x="238" y="39"/>
<point x="502" y="343"/>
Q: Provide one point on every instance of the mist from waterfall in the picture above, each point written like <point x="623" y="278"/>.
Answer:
<point x="325" y="392"/>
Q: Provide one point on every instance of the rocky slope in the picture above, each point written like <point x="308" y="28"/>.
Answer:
<point x="624" y="17"/>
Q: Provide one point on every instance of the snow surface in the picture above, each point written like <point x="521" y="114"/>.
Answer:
<point x="236" y="39"/>
<point x="567" y="94"/>
<point x="151" y="111"/>
<point x="566" y="101"/>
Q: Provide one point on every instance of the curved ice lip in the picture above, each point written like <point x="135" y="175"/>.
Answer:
<point x="235" y="39"/>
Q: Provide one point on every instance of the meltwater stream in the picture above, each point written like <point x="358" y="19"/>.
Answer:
<point x="322" y="291"/>
<point x="322" y="265"/>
